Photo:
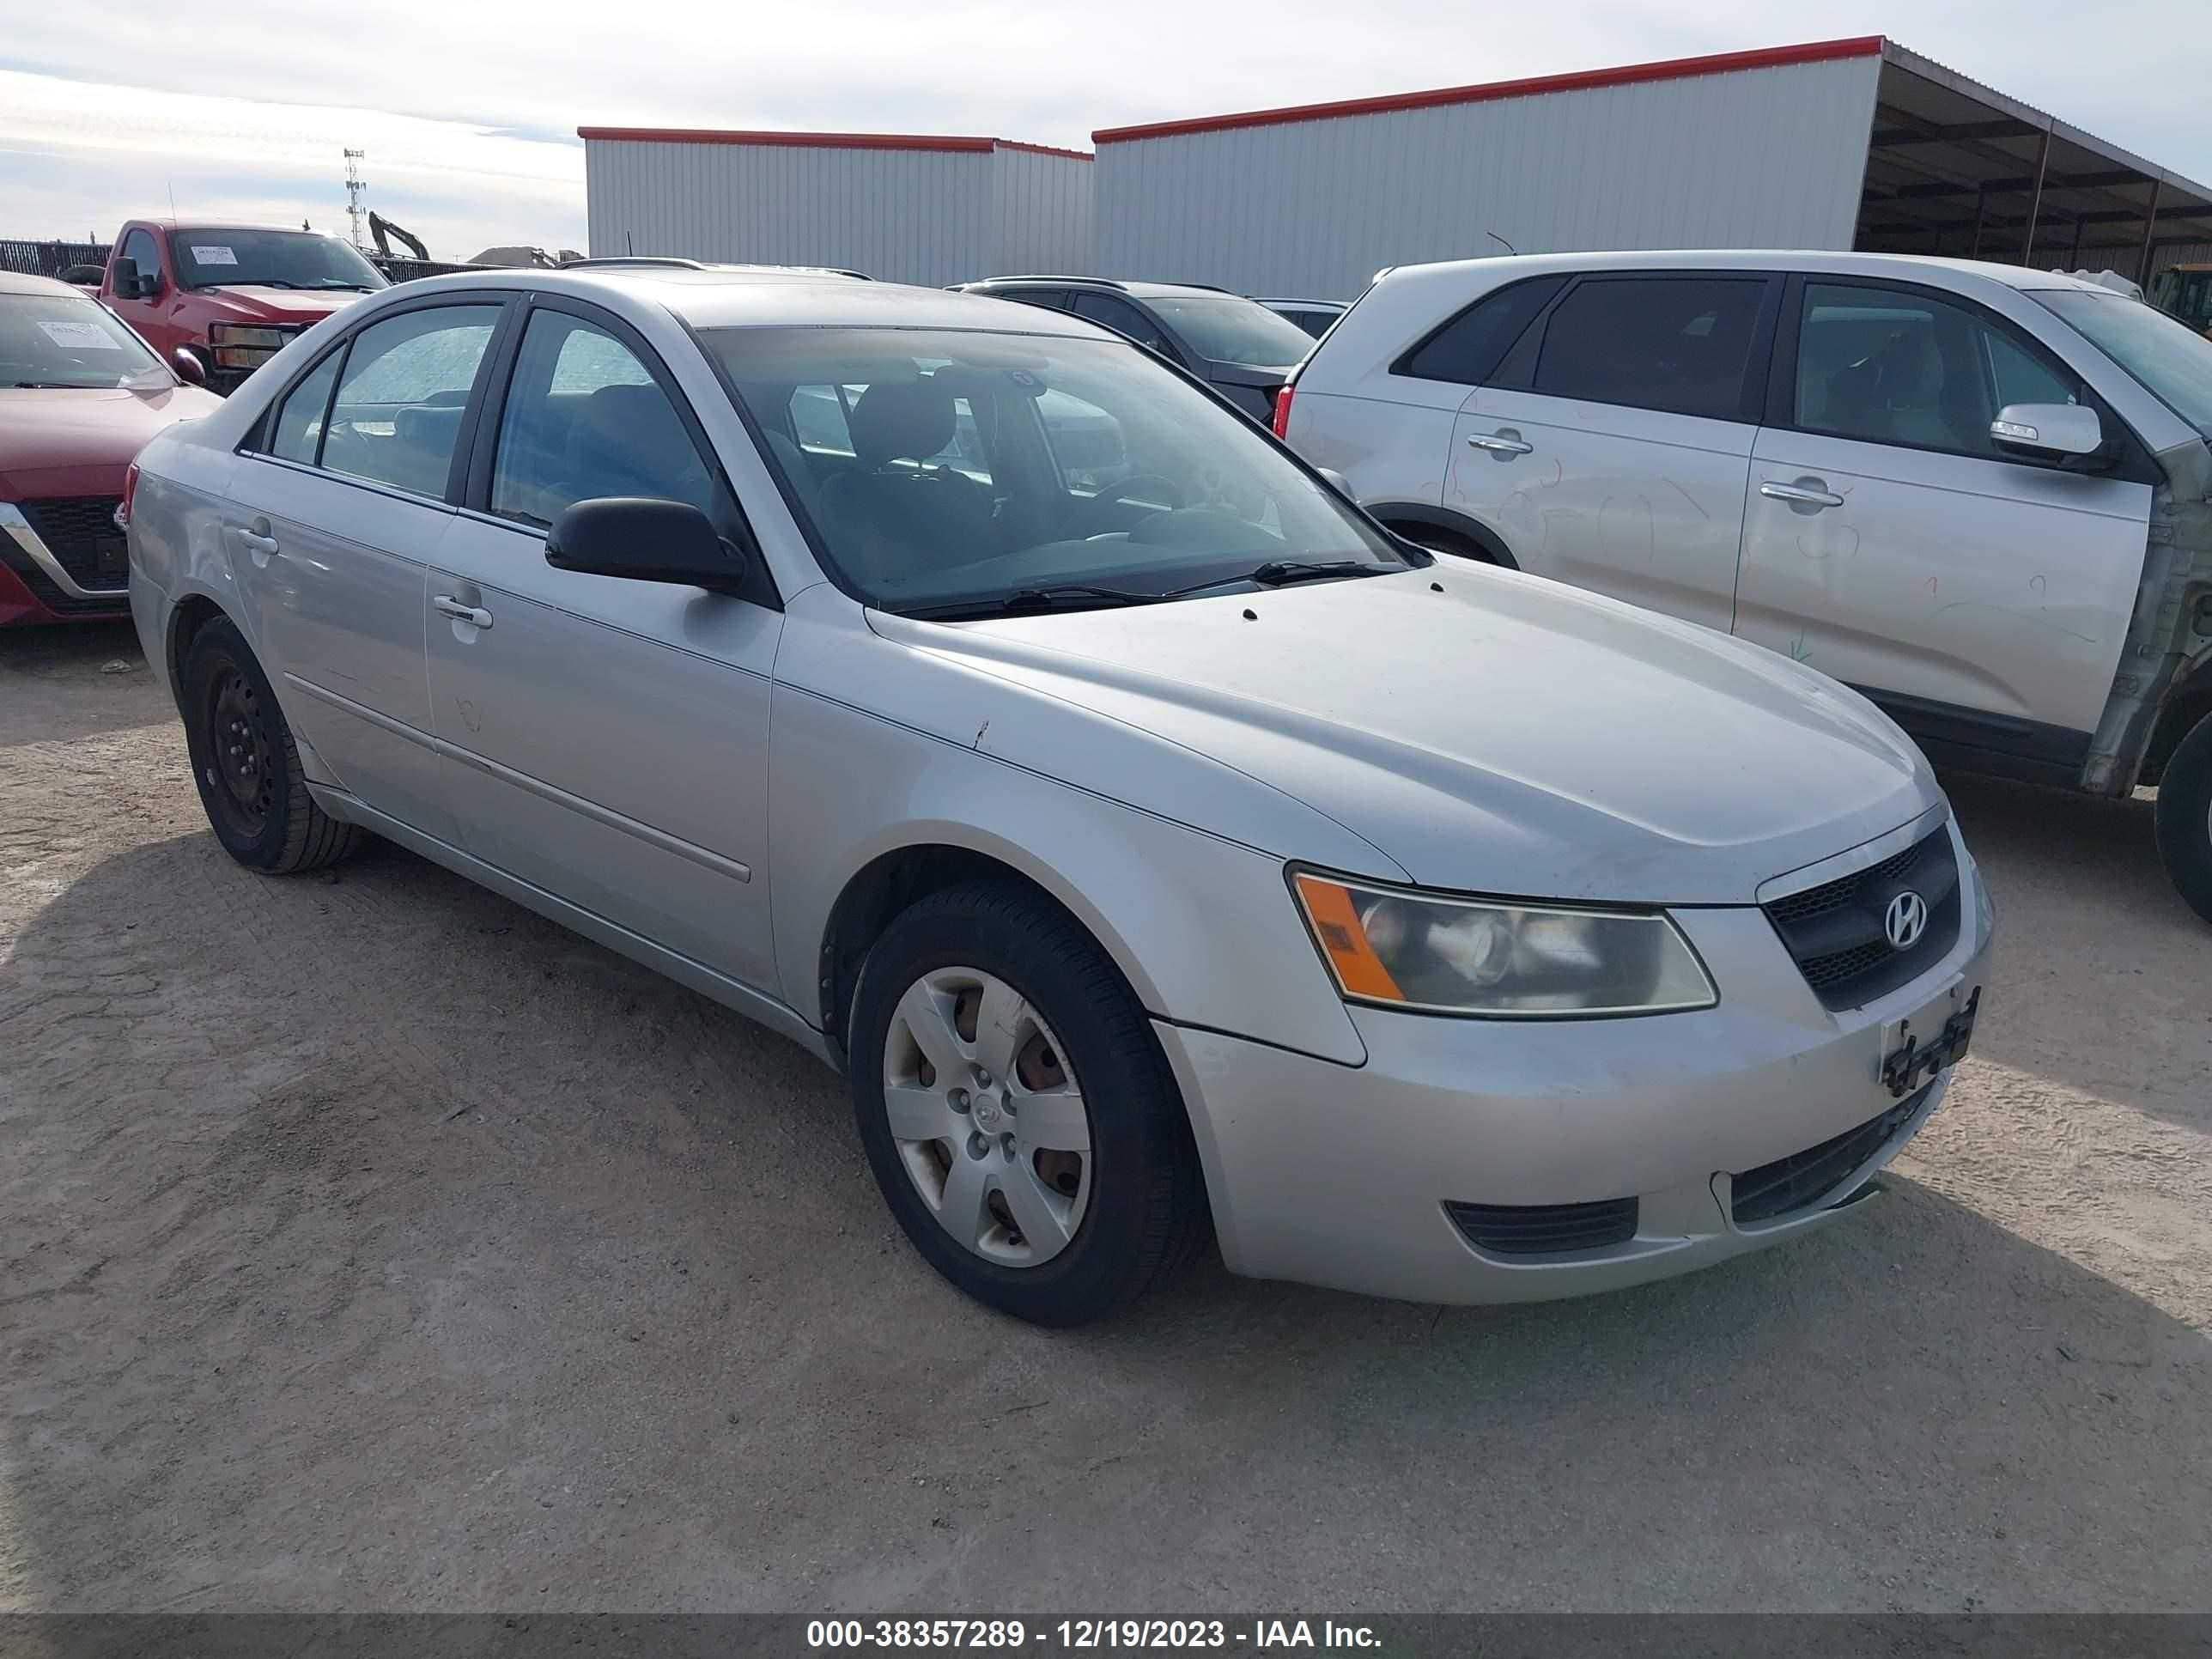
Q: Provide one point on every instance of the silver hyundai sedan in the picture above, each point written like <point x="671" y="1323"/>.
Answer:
<point x="1161" y="847"/>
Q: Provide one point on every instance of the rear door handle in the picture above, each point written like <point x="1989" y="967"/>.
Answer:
<point x="259" y="539"/>
<point x="1800" y="494"/>
<point x="1508" y="442"/>
<point x="475" y="615"/>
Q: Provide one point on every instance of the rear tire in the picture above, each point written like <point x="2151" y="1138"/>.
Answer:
<point x="1127" y="1212"/>
<point x="2185" y="818"/>
<point x="247" y="766"/>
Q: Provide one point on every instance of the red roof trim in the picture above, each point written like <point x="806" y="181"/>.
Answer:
<point x="1674" y="68"/>
<point x="912" y="141"/>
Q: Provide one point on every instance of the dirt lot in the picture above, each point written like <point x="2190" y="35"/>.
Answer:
<point x="365" y="1242"/>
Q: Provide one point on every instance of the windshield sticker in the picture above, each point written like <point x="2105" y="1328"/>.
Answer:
<point x="214" y="256"/>
<point x="78" y="337"/>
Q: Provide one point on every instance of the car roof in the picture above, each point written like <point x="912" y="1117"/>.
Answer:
<point x="1305" y="305"/>
<point x="729" y="298"/>
<point x="1142" y="290"/>
<point x="1902" y="266"/>
<point x="16" y="281"/>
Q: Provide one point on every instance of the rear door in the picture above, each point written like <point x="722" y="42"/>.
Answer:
<point x="1982" y="599"/>
<point x="1610" y="445"/>
<point x="607" y="739"/>
<point x="341" y="498"/>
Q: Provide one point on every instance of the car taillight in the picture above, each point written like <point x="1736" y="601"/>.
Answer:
<point x="1283" y="412"/>
<point x="129" y="489"/>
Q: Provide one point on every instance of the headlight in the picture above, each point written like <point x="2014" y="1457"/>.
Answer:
<point x="1424" y="952"/>
<point x="236" y="345"/>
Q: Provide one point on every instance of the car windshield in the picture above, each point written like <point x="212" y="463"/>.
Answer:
<point x="2175" y="362"/>
<point x="63" y="340"/>
<point x="269" y="258"/>
<point x="1228" y="329"/>
<point x="944" y="471"/>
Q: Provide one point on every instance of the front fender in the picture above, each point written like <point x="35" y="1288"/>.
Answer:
<point x="1203" y="928"/>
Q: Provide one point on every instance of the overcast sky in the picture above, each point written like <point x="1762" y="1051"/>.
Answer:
<point x="468" y="111"/>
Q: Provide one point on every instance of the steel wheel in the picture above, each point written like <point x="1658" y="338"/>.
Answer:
<point x="988" y="1118"/>
<point x="241" y="756"/>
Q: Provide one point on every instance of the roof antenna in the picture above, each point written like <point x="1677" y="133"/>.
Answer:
<point x="629" y="243"/>
<point x="172" y="197"/>
<point x="1501" y="242"/>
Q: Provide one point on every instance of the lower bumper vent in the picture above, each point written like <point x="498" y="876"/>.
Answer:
<point x="1802" y="1179"/>
<point x="1545" y="1229"/>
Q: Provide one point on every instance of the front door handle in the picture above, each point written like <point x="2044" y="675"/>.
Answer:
<point x="1508" y="442"/>
<point x="475" y="615"/>
<point x="1806" y="492"/>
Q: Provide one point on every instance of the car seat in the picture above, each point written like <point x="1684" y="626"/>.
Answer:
<point x="895" y="516"/>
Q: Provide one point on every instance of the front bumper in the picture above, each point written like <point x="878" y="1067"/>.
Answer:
<point x="37" y="587"/>
<point x="1342" y="1175"/>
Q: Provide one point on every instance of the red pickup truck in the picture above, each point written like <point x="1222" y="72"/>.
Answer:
<point x="230" y="296"/>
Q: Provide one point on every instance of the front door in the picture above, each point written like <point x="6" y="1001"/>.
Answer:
<point x="331" y="520"/>
<point x="1610" y="448"/>
<point x="607" y="738"/>
<point x="1889" y="542"/>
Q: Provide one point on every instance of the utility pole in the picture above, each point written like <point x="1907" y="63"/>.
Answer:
<point x="356" y="187"/>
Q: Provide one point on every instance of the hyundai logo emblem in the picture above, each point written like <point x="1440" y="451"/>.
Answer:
<point x="1904" y="921"/>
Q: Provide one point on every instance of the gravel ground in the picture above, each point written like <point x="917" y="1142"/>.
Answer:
<point x="367" y="1243"/>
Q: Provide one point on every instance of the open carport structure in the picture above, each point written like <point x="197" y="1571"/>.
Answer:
<point x="1835" y="144"/>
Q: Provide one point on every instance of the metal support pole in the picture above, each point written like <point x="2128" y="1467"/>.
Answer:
<point x="1981" y="208"/>
<point x="2035" y="199"/>
<point x="2074" y="259"/>
<point x="2150" y="224"/>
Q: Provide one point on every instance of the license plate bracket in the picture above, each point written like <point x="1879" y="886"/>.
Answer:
<point x="1913" y="1059"/>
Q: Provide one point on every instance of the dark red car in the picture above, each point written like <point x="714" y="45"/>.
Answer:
<point x="80" y="394"/>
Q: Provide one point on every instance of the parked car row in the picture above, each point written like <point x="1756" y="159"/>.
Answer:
<point x="1160" y="844"/>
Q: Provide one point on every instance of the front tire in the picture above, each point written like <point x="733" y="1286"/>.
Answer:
<point x="247" y="766"/>
<point x="1014" y="1107"/>
<point x="2185" y="818"/>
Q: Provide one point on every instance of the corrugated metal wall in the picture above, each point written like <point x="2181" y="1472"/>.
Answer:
<point x="1757" y="158"/>
<point x="1042" y="204"/>
<point x="901" y="215"/>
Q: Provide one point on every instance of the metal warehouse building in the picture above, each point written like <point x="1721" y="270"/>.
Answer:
<point x="926" y="209"/>
<point x="1840" y="144"/>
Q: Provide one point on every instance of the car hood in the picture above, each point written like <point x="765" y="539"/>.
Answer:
<point x="52" y="441"/>
<point x="250" y="303"/>
<point x="1486" y="731"/>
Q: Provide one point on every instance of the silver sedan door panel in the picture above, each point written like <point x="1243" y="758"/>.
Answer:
<point x="607" y="739"/>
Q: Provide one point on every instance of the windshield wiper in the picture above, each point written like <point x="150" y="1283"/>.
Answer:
<point x="62" y="386"/>
<point x="1281" y="573"/>
<point x="1022" y="600"/>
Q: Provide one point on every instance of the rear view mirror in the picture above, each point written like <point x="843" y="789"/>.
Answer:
<point x="643" y="540"/>
<point x="124" y="271"/>
<point x="2048" y="432"/>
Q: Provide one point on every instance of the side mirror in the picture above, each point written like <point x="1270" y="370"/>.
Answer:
<point x="1337" y="482"/>
<point x="643" y="540"/>
<point x="2048" y="432"/>
<point x="124" y="271"/>
<point x="189" y="368"/>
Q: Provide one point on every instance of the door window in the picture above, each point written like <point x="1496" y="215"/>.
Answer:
<point x="1891" y="366"/>
<point x="396" y="417"/>
<point x="586" y="419"/>
<point x="1123" y="319"/>
<point x="139" y="245"/>
<point x="1469" y="347"/>
<point x="1677" y="343"/>
<point x="298" y="433"/>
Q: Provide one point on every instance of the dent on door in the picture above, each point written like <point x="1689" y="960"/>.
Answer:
<point x="1643" y="505"/>
<point x="1980" y="584"/>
